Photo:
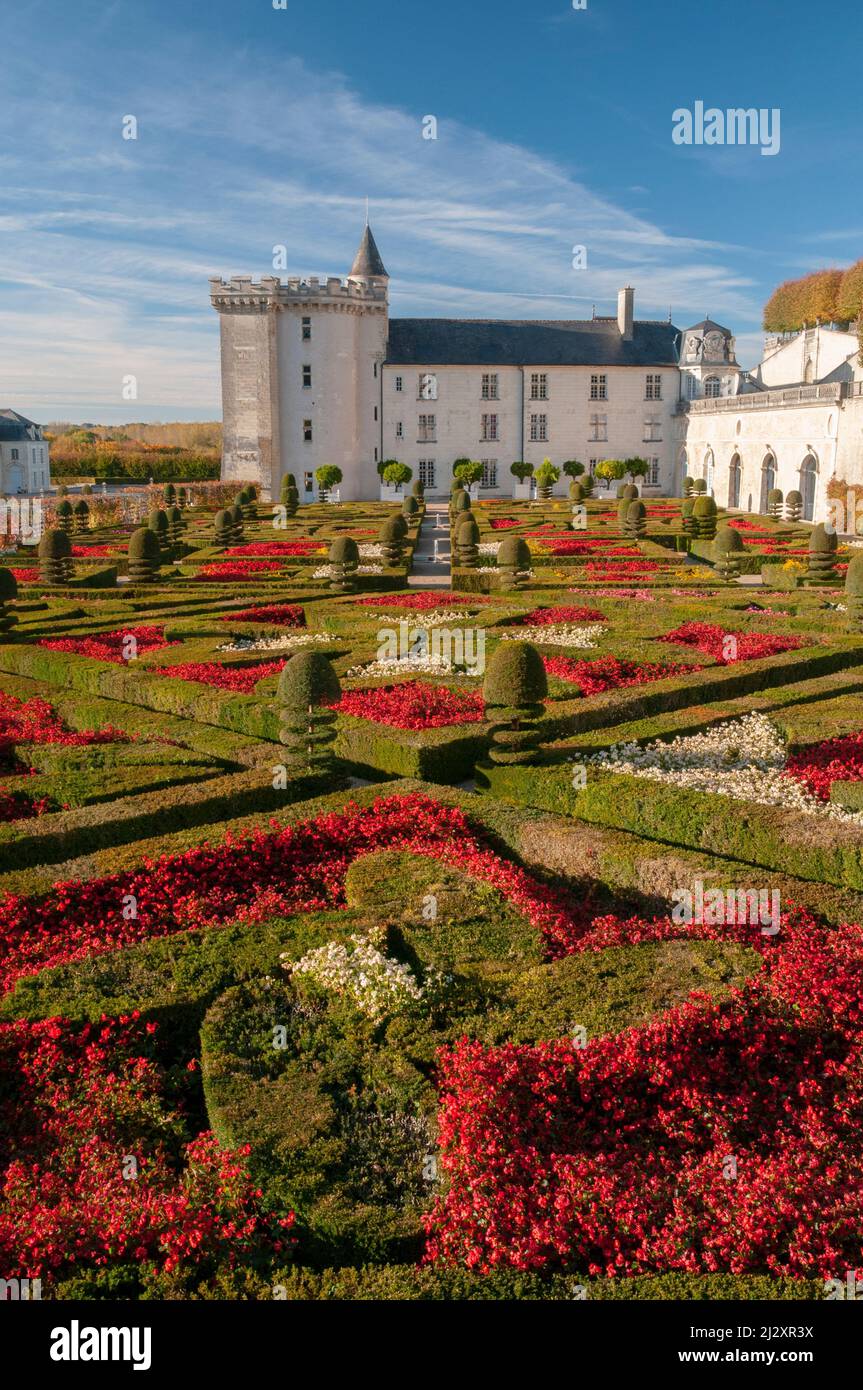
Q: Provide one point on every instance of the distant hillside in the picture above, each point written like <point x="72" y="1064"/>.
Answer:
<point x="181" y="451"/>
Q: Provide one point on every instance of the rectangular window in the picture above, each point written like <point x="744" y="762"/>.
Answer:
<point x="427" y="429"/>
<point x="15" y="453"/>
<point x="307" y="431"/>
<point x="538" y="429"/>
<point x="376" y="371"/>
<point x="489" y="386"/>
<point x="652" y="429"/>
<point x="599" y="428"/>
<point x="400" y="431"/>
<point x="428" y="386"/>
<point x="599" y="387"/>
<point x="376" y="412"/>
<point x="653" y="473"/>
<point x="489" y="427"/>
<point x="489" y="473"/>
<point x="653" y="387"/>
<point x="307" y="377"/>
<point x="539" y="386"/>
<point x="427" y="472"/>
<point x="307" y="330"/>
<point x="399" y="383"/>
<point x="309" y="482"/>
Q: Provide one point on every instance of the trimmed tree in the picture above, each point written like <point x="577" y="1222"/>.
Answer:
<point x="775" y="499"/>
<point x="308" y="688"/>
<point x="418" y="488"/>
<point x="169" y="496"/>
<point x="391" y="539"/>
<point x="55" y="558"/>
<point x="854" y="591"/>
<point x="235" y="514"/>
<point x="514" y="688"/>
<point x="410" y="506"/>
<point x="635" y="523"/>
<point x="223" y="528"/>
<point x="157" y="521"/>
<point x="8" y="592"/>
<point x="145" y="556"/>
<point x="636" y="468"/>
<point x="572" y="468"/>
<point x="467" y="471"/>
<point x="522" y="471"/>
<point x="82" y="516"/>
<point x="688" y="486"/>
<point x="344" y="557"/>
<point x="397" y="474"/>
<point x="610" y="471"/>
<point x="823" y="545"/>
<point x="65" y="516"/>
<point x="513" y="562"/>
<point x="699" y="486"/>
<point x="727" y="550"/>
<point x="289" y="483"/>
<point x="704" y="517"/>
<point x="467" y="542"/>
<point x="546" y="477"/>
<point x="461" y="503"/>
<point x="176" y="526"/>
<point x="327" y="477"/>
<point x="687" y="508"/>
<point x="793" y="506"/>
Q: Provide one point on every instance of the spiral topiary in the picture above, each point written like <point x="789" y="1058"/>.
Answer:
<point x="344" y="558"/>
<point x="467" y="542"/>
<point x="688" y="486"/>
<point x="699" y="486"/>
<point x="145" y="556"/>
<point x="157" y="522"/>
<point x="514" y="688"/>
<point x="290" y="500"/>
<point x="727" y="550"/>
<point x="235" y="514"/>
<point x="392" y="542"/>
<point x="176" y="526"/>
<point x="65" y="516"/>
<point x="704" y="518"/>
<point x="854" y="591"/>
<point x="775" y="499"/>
<point x="687" y="509"/>
<point x="169" y="496"/>
<point x="182" y="498"/>
<point x="635" y="521"/>
<point x="793" y="506"/>
<point x="513" y="561"/>
<point x="288" y="482"/>
<point x="308" y="688"/>
<point x="223" y="528"/>
<point x="8" y="591"/>
<point x="823" y="545"/>
<point x="55" y="563"/>
<point x="82" y="516"/>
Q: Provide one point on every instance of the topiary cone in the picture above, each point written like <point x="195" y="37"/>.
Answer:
<point x="8" y="592"/>
<point x="513" y="560"/>
<point x="727" y="549"/>
<point x="308" y="688"/>
<point x="65" y="515"/>
<point x="793" y="506"/>
<point x="467" y="542"/>
<point x="854" y="590"/>
<point x="635" y="523"/>
<point x="823" y="545"/>
<point x="391" y="540"/>
<point x="514" y="688"/>
<point x="55" y="564"/>
<point x="344" y="557"/>
<point x="145" y="556"/>
<point x="704" y="518"/>
<point x="223" y="528"/>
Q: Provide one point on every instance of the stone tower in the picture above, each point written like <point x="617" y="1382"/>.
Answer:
<point x="302" y="374"/>
<point x="708" y="363"/>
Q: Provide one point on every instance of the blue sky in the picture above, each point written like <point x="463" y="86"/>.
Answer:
<point x="259" y="127"/>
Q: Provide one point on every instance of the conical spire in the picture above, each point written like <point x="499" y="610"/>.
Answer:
<point x="367" y="262"/>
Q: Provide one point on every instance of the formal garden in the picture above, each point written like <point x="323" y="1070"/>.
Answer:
<point x="478" y="929"/>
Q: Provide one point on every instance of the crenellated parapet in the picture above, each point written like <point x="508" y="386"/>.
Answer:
<point x="241" y="294"/>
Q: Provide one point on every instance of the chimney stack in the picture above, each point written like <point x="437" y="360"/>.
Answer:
<point x="625" y="311"/>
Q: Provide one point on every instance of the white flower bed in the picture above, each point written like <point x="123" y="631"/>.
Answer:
<point x="328" y="571"/>
<point x="558" y="635"/>
<point x="275" y="644"/>
<point x="426" y="620"/>
<point x="360" y="972"/>
<point x="488" y="548"/>
<point x="371" y="552"/>
<point x="404" y="666"/>
<point x="744" y="758"/>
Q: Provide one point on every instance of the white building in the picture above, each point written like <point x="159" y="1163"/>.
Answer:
<point x="316" y="371"/>
<point x="24" y="455"/>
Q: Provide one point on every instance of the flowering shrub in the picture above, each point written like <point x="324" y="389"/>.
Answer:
<point x="277" y="548"/>
<point x="714" y="641"/>
<point x="239" y="571"/>
<point x="376" y="984"/>
<point x="35" y="721"/>
<point x="609" y="673"/>
<point x="722" y="1136"/>
<point x="413" y="705"/>
<point x="110" y="646"/>
<point x="298" y="868"/>
<point x="280" y="614"/>
<point x="77" y="1101"/>
<point x="241" y="679"/>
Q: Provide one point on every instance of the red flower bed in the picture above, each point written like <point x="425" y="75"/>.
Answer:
<point x="622" y="570"/>
<point x="20" y="806"/>
<point x="276" y="548"/>
<point x="35" y="721"/>
<point x="109" y="646"/>
<point x="740" y="524"/>
<point x="413" y="705"/>
<point x="573" y="547"/>
<point x="421" y="602"/>
<point x="300" y="868"/>
<point x="542" y="617"/>
<point x="239" y="571"/>
<point x="28" y="576"/>
<point x="835" y="760"/>
<point x="723" y="1136"/>
<point x="95" y="552"/>
<point x="279" y="614"/>
<point x="241" y="679"/>
<point x="609" y="673"/>
<point x="76" y="1102"/>
<point x="712" y="640"/>
<point x="503" y="523"/>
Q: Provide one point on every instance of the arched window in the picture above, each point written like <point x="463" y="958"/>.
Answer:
<point x="712" y="387"/>
<point x="768" y="481"/>
<point x="809" y="485"/>
<point x="734" y="471"/>
<point x="809" y="371"/>
<point x="680" y="472"/>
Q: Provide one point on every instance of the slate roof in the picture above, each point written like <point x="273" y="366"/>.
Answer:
<point x="368" y="259"/>
<point x="709" y="326"/>
<point x="14" y="426"/>
<point x="530" y="342"/>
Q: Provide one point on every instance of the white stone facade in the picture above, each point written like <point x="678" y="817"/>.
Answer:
<point x="25" y="464"/>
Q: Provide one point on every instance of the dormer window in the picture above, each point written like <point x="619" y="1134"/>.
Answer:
<point x="712" y="387"/>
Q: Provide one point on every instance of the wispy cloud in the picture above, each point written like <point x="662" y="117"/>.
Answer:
<point x="107" y="244"/>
